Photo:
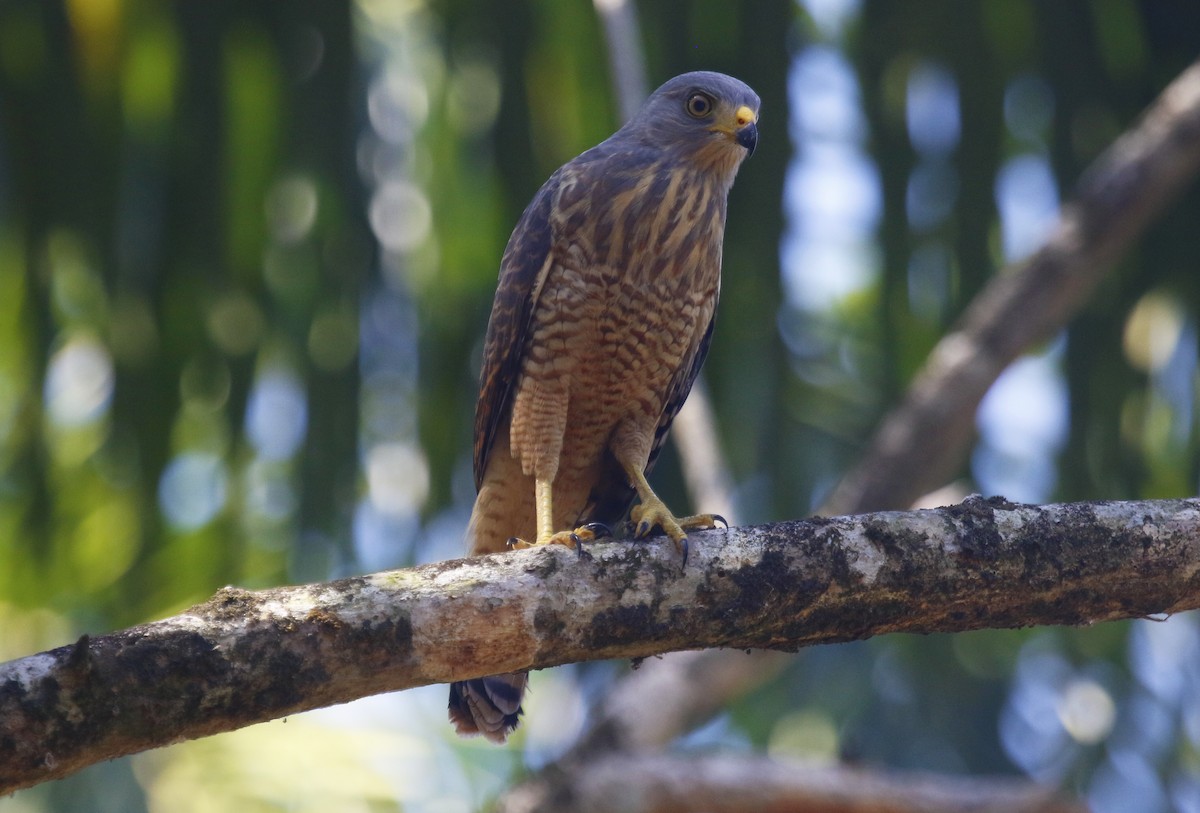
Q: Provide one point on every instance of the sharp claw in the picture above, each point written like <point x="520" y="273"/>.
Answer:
<point x="575" y="540"/>
<point x="599" y="529"/>
<point x="511" y="544"/>
<point x="683" y="547"/>
<point x="721" y="519"/>
<point x="643" y="529"/>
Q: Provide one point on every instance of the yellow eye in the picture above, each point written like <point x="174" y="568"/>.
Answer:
<point x="699" y="105"/>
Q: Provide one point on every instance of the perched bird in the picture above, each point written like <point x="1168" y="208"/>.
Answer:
<point x="602" y="318"/>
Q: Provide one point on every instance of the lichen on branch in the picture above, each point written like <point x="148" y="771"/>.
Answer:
<point x="244" y="657"/>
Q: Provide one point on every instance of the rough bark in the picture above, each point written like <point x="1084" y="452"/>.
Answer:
<point x="733" y="784"/>
<point x="244" y="657"/>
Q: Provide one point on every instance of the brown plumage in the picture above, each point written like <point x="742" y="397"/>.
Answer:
<point x="602" y="318"/>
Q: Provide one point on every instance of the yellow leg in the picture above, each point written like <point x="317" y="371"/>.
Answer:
<point x="545" y="511"/>
<point x="653" y="513"/>
<point x="544" y="506"/>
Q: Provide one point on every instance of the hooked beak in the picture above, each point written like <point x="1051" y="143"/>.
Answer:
<point x="746" y="132"/>
<point x="742" y="129"/>
<point x="748" y="137"/>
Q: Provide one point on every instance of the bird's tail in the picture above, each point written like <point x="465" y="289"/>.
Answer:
<point x="490" y="706"/>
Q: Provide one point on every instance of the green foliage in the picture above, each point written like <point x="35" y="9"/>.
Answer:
<point x="247" y="252"/>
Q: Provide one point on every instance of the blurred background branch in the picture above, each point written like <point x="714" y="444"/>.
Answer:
<point x="1118" y="197"/>
<point x="626" y="63"/>
<point x="735" y="783"/>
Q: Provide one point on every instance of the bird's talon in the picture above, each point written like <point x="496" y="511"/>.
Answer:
<point x="580" y="553"/>
<point x="599" y="530"/>
<point x="718" y="518"/>
<point x="513" y="543"/>
<point x="683" y="549"/>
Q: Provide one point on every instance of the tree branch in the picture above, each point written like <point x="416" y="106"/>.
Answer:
<point x="1118" y="197"/>
<point x="626" y="62"/>
<point x="245" y="657"/>
<point x="731" y="784"/>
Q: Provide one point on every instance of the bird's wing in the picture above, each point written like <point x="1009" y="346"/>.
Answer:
<point x="681" y="385"/>
<point x="523" y="270"/>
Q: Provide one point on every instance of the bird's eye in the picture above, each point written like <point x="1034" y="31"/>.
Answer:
<point x="699" y="105"/>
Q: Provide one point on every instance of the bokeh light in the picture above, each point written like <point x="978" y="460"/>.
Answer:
<point x="193" y="489"/>
<point x="79" y="382"/>
<point x="277" y="415"/>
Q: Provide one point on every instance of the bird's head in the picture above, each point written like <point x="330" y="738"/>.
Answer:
<point x="708" y="118"/>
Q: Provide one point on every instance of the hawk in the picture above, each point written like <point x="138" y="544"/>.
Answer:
<point x="602" y="317"/>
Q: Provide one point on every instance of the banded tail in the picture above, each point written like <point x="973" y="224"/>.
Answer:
<point x="490" y="706"/>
